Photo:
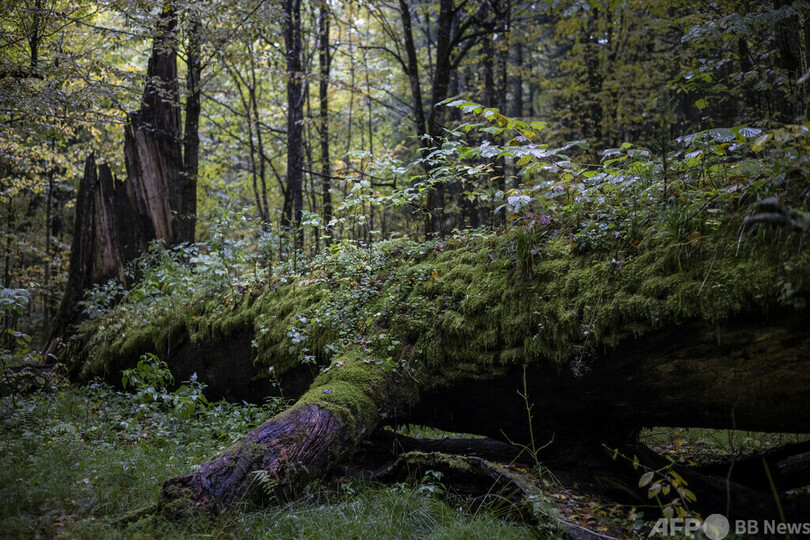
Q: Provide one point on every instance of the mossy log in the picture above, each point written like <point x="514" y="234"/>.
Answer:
<point x="303" y="443"/>
<point x="751" y="374"/>
<point x="748" y="375"/>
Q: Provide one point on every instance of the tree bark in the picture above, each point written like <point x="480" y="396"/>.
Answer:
<point x="749" y="375"/>
<point x="115" y="221"/>
<point x="187" y="211"/>
<point x="152" y="138"/>
<point x="307" y="441"/>
<point x="325" y="61"/>
<point x="105" y="237"/>
<point x="413" y="69"/>
<point x="294" y="199"/>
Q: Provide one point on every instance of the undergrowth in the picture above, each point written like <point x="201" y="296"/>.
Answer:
<point x="77" y="461"/>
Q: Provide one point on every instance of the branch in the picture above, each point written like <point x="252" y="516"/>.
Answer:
<point x="396" y="56"/>
<point x="772" y="211"/>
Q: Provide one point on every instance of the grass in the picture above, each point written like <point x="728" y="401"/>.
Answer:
<point x="713" y="444"/>
<point x="77" y="460"/>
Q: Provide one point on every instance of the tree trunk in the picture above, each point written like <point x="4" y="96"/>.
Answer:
<point x="294" y="200"/>
<point x="106" y="236"/>
<point x="516" y="79"/>
<point x="325" y="61"/>
<point x="413" y="69"/>
<point x="749" y="375"/>
<point x="152" y="140"/>
<point x="115" y="221"/>
<point x="187" y="211"/>
<point x="736" y="377"/>
<point x="341" y="408"/>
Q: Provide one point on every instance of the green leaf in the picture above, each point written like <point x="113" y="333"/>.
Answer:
<point x="701" y="104"/>
<point x="760" y="141"/>
<point x="646" y="478"/>
<point x="492" y="130"/>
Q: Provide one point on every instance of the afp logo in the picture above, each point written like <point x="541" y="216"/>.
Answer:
<point x="715" y="527"/>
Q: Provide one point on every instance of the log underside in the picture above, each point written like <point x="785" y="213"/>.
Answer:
<point x="749" y="375"/>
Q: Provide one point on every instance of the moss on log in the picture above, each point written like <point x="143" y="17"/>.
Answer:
<point x="303" y="443"/>
<point x="440" y="333"/>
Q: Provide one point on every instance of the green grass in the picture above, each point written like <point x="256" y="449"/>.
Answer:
<point x="713" y="444"/>
<point x="77" y="460"/>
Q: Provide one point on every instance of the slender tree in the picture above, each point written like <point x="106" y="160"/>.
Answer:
<point x="294" y="199"/>
<point x="324" y="64"/>
<point x="187" y="211"/>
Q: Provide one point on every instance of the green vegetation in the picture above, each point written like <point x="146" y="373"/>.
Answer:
<point x="88" y="463"/>
<point x="80" y="464"/>
<point x="435" y="189"/>
<point x="592" y="255"/>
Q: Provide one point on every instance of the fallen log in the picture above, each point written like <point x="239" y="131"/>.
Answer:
<point x="751" y="374"/>
<point x="301" y="444"/>
<point x="731" y="377"/>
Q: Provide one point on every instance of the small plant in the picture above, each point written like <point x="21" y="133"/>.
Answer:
<point x="15" y="351"/>
<point x="151" y="378"/>
<point x="267" y="484"/>
<point x="664" y="482"/>
<point x="532" y="449"/>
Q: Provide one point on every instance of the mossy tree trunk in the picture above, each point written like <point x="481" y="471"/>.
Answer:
<point x="748" y="375"/>
<point x="309" y="440"/>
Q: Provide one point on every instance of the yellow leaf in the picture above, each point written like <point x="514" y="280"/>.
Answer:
<point x="687" y="495"/>
<point x="695" y="238"/>
<point x="678" y="479"/>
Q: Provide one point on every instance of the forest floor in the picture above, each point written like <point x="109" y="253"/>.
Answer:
<point x="79" y="460"/>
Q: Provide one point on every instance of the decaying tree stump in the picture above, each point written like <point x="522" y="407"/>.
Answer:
<point x="153" y="138"/>
<point x="115" y="221"/>
<point x="106" y="235"/>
